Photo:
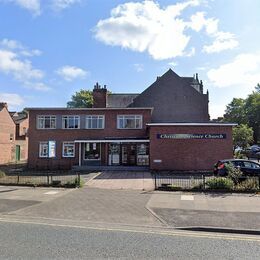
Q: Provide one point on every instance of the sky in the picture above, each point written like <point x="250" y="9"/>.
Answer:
<point x="49" y="49"/>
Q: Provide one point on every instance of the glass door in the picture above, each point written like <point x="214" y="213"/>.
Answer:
<point x="114" y="154"/>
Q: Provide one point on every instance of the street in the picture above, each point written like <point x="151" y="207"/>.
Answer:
<point x="45" y="241"/>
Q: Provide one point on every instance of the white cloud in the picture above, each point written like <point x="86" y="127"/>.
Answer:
<point x="139" y="67"/>
<point x="22" y="70"/>
<point x="59" y="5"/>
<point x="216" y="111"/>
<point x="146" y="27"/>
<point x="243" y="71"/>
<point x="222" y="40"/>
<point x="70" y="73"/>
<point x="39" y="86"/>
<point x="23" y="50"/>
<point x="33" y="6"/>
<point x="173" y="63"/>
<point x="11" y="99"/>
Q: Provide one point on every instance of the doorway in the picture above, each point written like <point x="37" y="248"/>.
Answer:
<point x="17" y="153"/>
<point x="128" y="155"/>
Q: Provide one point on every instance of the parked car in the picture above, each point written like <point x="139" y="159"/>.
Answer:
<point x="253" y="152"/>
<point x="248" y="168"/>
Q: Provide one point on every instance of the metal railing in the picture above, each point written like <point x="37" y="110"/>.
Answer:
<point x="168" y="181"/>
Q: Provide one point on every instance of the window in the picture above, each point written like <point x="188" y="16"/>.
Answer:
<point x="43" y="150"/>
<point x="129" y="122"/>
<point x="46" y="122"/>
<point x="68" y="149"/>
<point x="95" y="122"/>
<point x="92" y="151"/>
<point x="70" y="122"/>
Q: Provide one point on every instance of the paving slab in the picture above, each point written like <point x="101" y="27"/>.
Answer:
<point x="123" y="180"/>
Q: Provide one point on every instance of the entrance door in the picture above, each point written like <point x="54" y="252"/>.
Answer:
<point x="17" y="153"/>
<point x="114" y="154"/>
<point x="128" y="155"/>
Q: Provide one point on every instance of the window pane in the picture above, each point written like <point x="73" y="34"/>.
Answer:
<point x="92" y="151"/>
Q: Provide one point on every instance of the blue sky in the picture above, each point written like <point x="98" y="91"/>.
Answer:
<point x="51" y="48"/>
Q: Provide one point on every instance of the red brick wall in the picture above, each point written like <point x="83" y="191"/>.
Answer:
<point x="7" y="146"/>
<point x="60" y="135"/>
<point x="189" y="154"/>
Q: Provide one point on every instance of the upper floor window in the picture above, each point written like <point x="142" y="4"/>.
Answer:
<point x="129" y="121"/>
<point x="95" y="122"/>
<point x="46" y="122"/>
<point x="70" y="122"/>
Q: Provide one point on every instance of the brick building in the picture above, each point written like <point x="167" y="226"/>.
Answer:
<point x="166" y="127"/>
<point x="13" y="140"/>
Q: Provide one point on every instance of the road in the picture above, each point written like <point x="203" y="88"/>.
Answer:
<point x="20" y="240"/>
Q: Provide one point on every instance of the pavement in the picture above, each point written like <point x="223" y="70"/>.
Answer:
<point x="231" y="211"/>
<point x="125" y="203"/>
<point x="122" y="180"/>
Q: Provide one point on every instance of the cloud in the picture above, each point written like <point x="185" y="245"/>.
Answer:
<point x="59" y="5"/>
<point x="22" y="70"/>
<point x="39" y="86"/>
<point x="11" y="99"/>
<point x="243" y="70"/>
<point x="146" y="27"/>
<point x="23" y="50"/>
<point x="70" y="73"/>
<point x="222" y="40"/>
<point x="173" y="63"/>
<point x="34" y="6"/>
<point x="139" y="67"/>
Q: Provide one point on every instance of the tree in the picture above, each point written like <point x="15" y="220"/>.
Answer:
<point x="252" y="107"/>
<point x="81" y="99"/>
<point x="235" y="111"/>
<point x="242" y="136"/>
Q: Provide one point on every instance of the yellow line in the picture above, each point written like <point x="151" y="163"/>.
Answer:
<point x="164" y="233"/>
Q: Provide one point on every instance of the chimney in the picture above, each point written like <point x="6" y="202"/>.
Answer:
<point x="99" y="96"/>
<point x="197" y="78"/>
<point x="3" y="104"/>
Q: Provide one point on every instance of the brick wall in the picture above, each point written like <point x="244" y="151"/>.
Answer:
<point x="189" y="154"/>
<point x="7" y="129"/>
<point x="60" y="135"/>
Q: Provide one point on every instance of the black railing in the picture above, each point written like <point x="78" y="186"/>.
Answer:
<point x="42" y="179"/>
<point x="166" y="181"/>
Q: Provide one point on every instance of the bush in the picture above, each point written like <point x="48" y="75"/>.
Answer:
<point x="233" y="173"/>
<point x="2" y="174"/>
<point x="220" y="183"/>
<point x="248" y="185"/>
<point x="75" y="183"/>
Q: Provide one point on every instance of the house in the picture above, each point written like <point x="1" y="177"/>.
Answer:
<point x="166" y="127"/>
<point x="13" y="140"/>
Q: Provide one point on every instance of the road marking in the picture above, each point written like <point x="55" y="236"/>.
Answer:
<point x="172" y="233"/>
<point x="51" y="192"/>
<point x="187" y="197"/>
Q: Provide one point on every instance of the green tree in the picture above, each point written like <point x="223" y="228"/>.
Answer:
<point x="242" y="136"/>
<point x="81" y="99"/>
<point x="235" y="111"/>
<point x="252" y="107"/>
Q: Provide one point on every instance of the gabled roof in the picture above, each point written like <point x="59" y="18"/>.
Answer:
<point x="18" y="117"/>
<point x="120" y="100"/>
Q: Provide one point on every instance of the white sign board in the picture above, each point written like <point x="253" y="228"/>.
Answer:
<point x="157" y="161"/>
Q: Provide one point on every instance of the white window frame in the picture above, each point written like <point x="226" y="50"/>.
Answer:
<point x="68" y="118"/>
<point x="98" y="117"/>
<point x="40" y="150"/>
<point x="43" y="117"/>
<point x="70" y="143"/>
<point x="123" y="117"/>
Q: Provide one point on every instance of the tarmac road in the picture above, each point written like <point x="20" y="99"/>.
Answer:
<point x="44" y="241"/>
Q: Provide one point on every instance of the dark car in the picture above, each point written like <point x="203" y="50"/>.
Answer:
<point x="248" y="168"/>
<point x="253" y="152"/>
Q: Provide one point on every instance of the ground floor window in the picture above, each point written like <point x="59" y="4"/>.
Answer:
<point x="142" y="154"/>
<point x="68" y="149"/>
<point x="44" y="149"/>
<point x="92" y="151"/>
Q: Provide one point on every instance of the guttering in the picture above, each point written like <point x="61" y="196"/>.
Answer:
<point x="191" y="124"/>
<point x="113" y="141"/>
<point x="88" y="109"/>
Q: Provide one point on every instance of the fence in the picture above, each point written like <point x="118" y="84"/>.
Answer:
<point x="41" y="179"/>
<point x="200" y="182"/>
